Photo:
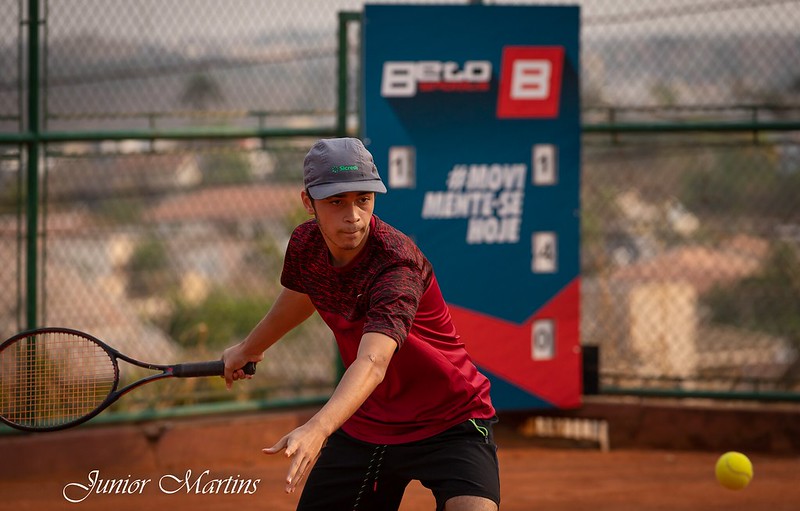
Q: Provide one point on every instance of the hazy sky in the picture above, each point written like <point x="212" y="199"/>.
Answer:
<point x="235" y="19"/>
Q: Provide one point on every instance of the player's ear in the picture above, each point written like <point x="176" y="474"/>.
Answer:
<point x="308" y="203"/>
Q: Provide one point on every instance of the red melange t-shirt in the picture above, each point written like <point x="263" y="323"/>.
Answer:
<point x="431" y="383"/>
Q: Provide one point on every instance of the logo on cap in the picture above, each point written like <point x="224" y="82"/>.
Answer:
<point x="343" y="168"/>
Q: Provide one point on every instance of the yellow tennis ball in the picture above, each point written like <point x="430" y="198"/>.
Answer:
<point x="734" y="470"/>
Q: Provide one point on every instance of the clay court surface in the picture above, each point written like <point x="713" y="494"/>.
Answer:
<point x="35" y="469"/>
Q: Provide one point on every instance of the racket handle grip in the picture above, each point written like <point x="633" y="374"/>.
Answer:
<point x="213" y="368"/>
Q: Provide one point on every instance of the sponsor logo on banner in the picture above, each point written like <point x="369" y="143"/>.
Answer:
<point x="404" y="79"/>
<point x="530" y="82"/>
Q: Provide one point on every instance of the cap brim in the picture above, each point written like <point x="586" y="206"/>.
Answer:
<point x="323" y="191"/>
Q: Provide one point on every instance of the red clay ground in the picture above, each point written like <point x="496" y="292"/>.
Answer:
<point x="34" y="469"/>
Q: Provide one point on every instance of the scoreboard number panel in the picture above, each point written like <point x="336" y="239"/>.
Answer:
<point x="545" y="165"/>
<point x="545" y="252"/>
<point x="402" y="167"/>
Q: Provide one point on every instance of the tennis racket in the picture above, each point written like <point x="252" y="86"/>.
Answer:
<point x="57" y="378"/>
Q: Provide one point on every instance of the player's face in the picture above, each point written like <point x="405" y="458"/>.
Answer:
<point x="344" y="221"/>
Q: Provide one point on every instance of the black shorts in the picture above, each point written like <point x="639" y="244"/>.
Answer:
<point x="355" y="475"/>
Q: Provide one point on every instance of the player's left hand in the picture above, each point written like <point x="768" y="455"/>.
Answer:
<point x="302" y="446"/>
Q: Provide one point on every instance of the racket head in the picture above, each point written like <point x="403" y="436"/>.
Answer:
<point x="55" y="378"/>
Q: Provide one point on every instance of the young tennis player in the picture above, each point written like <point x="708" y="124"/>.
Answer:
<point x="411" y="405"/>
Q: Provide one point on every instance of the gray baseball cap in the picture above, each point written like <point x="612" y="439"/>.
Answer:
<point x="340" y="165"/>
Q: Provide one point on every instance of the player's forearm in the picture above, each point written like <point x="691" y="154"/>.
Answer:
<point x="354" y="388"/>
<point x="289" y="310"/>
<point x="357" y="383"/>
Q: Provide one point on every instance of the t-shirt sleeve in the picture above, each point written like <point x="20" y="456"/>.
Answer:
<point x="394" y="301"/>
<point x="291" y="274"/>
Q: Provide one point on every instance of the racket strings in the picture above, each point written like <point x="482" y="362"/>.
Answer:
<point x="53" y="378"/>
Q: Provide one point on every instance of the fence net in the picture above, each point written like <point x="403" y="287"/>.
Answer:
<point x="172" y="248"/>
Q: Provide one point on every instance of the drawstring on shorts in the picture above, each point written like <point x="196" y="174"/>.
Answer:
<point x="483" y="430"/>
<point x="373" y="469"/>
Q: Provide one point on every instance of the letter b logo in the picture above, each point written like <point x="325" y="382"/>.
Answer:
<point x="530" y="82"/>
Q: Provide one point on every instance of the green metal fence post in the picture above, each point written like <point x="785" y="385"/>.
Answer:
<point x="343" y="64"/>
<point x="341" y="103"/>
<point x="32" y="194"/>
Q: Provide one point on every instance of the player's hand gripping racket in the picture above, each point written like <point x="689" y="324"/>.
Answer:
<point x="56" y="378"/>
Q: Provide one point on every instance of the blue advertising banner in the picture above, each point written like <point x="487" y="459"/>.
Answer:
<point x="472" y="114"/>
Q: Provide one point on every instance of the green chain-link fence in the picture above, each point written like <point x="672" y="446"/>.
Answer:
<point x="170" y="139"/>
<point x="691" y="237"/>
